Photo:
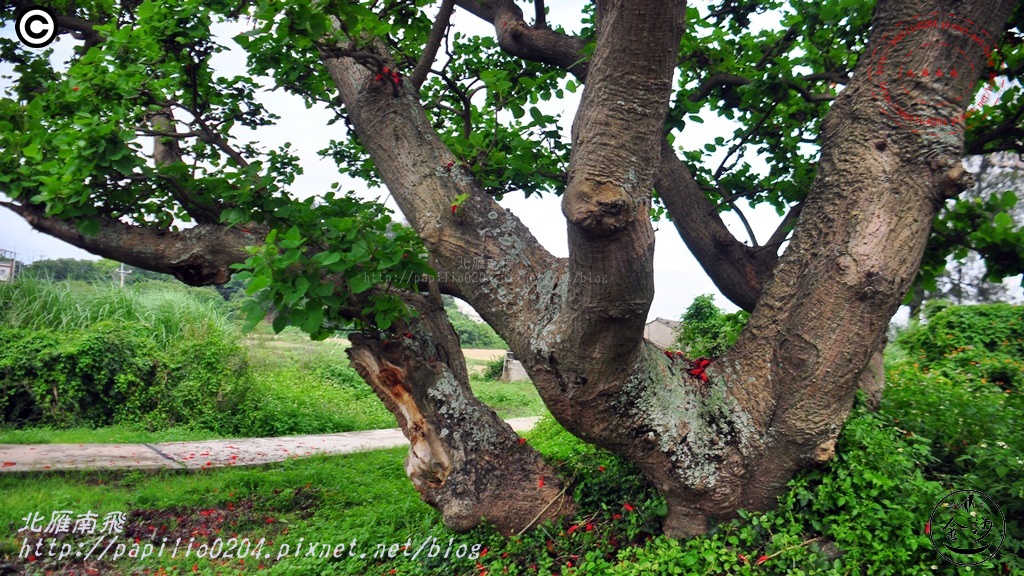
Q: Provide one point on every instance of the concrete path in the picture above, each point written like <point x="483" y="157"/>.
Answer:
<point x="202" y="454"/>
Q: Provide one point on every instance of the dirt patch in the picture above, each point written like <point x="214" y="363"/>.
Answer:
<point x="482" y="354"/>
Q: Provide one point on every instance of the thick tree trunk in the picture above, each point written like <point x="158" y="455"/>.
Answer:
<point x="777" y="401"/>
<point x="463" y="459"/>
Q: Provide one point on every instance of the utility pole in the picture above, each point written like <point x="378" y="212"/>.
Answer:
<point x="123" y="273"/>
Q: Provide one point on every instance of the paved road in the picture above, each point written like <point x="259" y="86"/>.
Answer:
<point x="202" y="454"/>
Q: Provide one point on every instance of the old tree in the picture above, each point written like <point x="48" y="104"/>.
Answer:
<point x="136" y="149"/>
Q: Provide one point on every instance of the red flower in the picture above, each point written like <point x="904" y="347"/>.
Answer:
<point x="761" y="560"/>
<point x="75" y="89"/>
<point x="697" y="368"/>
<point x="540" y="483"/>
<point x="927" y="528"/>
<point x="6" y="464"/>
<point x="573" y="528"/>
<point x="628" y="506"/>
<point x="669" y="354"/>
<point x="522" y="440"/>
<point x="455" y="208"/>
<point x="616" y="516"/>
<point x="600" y="468"/>
<point x="743" y="558"/>
<point x="590" y="527"/>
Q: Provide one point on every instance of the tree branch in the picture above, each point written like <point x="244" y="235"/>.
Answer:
<point x="1008" y="136"/>
<point x="785" y="227"/>
<point x="733" y="267"/>
<point x="437" y="34"/>
<point x="425" y="179"/>
<point x="199" y="256"/>
<point x="730" y="264"/>
<point x="718" y="80"/>
<point x="616" y="148"/>
<point x="538" y="44"/>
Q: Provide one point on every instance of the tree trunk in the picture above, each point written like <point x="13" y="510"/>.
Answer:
<point x="463" y="459"/>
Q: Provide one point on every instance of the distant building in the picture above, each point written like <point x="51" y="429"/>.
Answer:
<point x="661" y="332"/>
<point x="513" y="370"/>
<point x="7" y="265"/>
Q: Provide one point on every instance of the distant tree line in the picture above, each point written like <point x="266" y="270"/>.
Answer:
<point x="472" y="334"/>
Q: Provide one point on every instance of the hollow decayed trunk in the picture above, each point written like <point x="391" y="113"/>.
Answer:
<point x="463" y="459"/>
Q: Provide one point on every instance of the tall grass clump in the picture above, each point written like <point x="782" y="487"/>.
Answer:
<point x="157" y="356"/>
<point x="165" y="310"/>
<point x="78" y="354"/>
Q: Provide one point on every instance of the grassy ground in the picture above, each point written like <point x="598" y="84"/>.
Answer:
<point x="365" y="497"/>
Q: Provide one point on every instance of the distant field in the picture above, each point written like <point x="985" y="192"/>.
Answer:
<point x="479" y="354"/>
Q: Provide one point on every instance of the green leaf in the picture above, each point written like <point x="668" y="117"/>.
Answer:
<point x="258" y="283"/>
<point x="360" y="283"/>
<point x="32" y="152"/>
<point x="89" y="227"/>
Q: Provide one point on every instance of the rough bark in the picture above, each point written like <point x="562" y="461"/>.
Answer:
<point x="463" y="459"/>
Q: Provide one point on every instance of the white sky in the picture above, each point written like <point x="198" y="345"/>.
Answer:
<point x="678" y="277"/>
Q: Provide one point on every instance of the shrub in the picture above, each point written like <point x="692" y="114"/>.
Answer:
<point x="86" y="377"/>
<point x="708" y="332"/>
<point x="495" y="369"/>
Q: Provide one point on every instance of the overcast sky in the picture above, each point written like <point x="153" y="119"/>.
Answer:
<point x="678" y="277"/>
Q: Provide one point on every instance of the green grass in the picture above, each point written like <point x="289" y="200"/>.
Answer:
<point x="509" y="399"/>
<point x="285" y="383"/>
<point x="323" y="499"/>
<point x="166" y="309"/>
<point x="105" y="435"/>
